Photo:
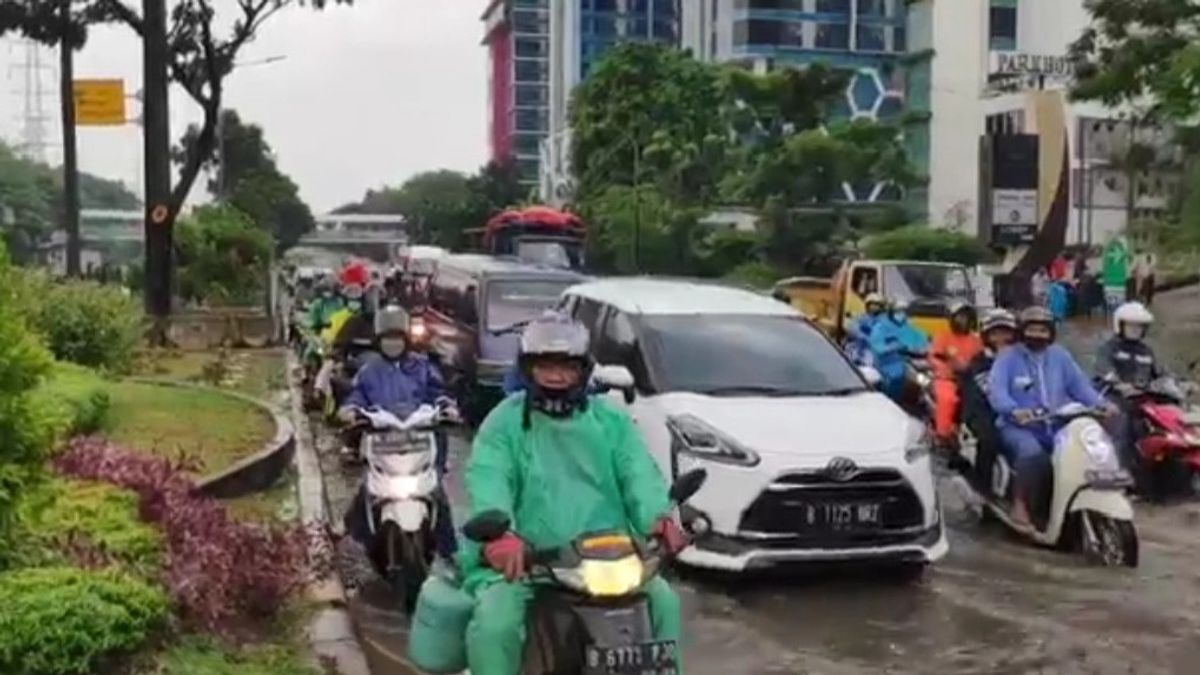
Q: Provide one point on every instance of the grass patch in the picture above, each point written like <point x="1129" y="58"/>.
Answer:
<point x="254" y="372"/>
<point x="280" y="503"/>
<point x="75" y="398"/>
<point x="198" y="656"/>
<point x="168" y="421"/>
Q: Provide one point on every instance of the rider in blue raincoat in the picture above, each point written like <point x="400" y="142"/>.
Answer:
<point x="891" y="340"/>
<point x="858" y="331"/>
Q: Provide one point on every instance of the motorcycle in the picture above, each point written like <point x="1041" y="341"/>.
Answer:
<point x="1167" y="435"/>
<point x="1089" y="511"/>
<point x="313" y="360"/>
<point x="402" y="492"/>
<point x="918" y="373"/>
<point x="590" y="615"/>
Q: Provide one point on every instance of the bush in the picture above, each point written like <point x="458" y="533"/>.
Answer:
<point x="222" y="573"/>
<point x="202" y="657"/>
<point x="63" y="620"/>
<point x="917" y="242"/>
<point x="223" y="257"/>
<point x="87" y="524"/>
<point x="755" y="274"/>
<point x="26" y="430"/>
<point x="76" y="399"/>
<point x="84" y="322"/>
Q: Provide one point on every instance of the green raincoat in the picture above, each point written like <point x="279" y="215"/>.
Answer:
<point x="321" y="311"/>
<point x="557" y="480"/>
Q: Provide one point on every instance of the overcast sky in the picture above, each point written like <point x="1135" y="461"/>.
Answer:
<point x="366" y="96"/>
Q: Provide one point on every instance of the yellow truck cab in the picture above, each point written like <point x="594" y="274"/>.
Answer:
<point x="929" y="288"/>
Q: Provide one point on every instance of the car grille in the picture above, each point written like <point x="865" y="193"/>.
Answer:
<point x="779" y="515"/>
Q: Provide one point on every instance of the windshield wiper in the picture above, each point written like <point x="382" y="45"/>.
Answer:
<point x="749" y="389"/>
<point x="844" y="391"/>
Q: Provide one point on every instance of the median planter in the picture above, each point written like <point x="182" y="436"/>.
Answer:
<point x="254" y="473"/>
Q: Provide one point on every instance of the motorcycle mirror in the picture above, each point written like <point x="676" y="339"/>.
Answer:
<point x="687" y="485"/>
<point x="871" y="375"/>
<point x="487" y="526"/>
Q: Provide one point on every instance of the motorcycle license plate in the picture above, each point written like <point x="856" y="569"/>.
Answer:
<point x="651" y="658"/>
<point x="842" y="515"/>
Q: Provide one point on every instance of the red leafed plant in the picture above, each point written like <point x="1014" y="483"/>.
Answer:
<point x="223" y="574"/>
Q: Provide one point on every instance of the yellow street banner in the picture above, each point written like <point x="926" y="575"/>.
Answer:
<point x="99" y="103"/>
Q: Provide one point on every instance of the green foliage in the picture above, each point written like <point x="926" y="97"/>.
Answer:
<point x="248" y="178"/>
<point x="222" y="256"/>
<point x="84" y="322"/>
<point x="1141" y="52"/>
<point x="63" y="515"/>
<point x="205" y="657"/>
<point x="75" y="398"/>
<point x="641" y="225"/>
<point x="756" y="274"/>
<point x="654" y="107"/>
<point x="67" y="621"/>
<point x="918" y="242"/>
<point x="25" y="431"/>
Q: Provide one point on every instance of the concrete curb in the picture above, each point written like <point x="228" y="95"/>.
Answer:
<point x="331" y="633"/>
<point x="252" y="474"/>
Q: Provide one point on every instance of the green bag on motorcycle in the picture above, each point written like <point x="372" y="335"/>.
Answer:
<point x="438" y="641"/>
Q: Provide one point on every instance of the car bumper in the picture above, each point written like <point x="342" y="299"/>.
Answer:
<point x="735" y="554"/>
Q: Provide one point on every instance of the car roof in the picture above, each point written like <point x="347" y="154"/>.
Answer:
<point x="647" y="295"/>
<point x="477" y="263"/>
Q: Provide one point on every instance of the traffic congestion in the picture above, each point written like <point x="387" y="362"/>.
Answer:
<point x="625" y="428"/>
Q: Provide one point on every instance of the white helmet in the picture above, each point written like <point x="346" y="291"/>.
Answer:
<point x="1132" y="314"/>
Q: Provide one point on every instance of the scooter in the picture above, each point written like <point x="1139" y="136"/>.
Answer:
<point x="1089" y="511"/>
<point x="402" y="489"/>
<point x="590" y="615"/>
<point x="1168" y="436"/>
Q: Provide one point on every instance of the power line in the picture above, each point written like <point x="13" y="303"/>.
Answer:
<point x="35" y="122"/>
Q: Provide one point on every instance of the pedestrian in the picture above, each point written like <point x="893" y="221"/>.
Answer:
<point x="1115" y="274"/>
<point x="1144" y="271"/>
<point x="1040" y="286"/>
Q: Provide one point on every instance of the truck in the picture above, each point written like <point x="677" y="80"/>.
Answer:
<point x="538" y="235"/>
<point x="928" y="288"/>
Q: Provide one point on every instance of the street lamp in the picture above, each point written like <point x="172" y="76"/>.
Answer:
<point x="220" y="129"/>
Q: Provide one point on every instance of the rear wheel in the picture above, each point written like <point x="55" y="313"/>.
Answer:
<point x="1107" y="541"/>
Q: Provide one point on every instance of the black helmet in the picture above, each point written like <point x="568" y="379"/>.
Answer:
<point x="558" y="337"/>
<point x="964" y="307"/>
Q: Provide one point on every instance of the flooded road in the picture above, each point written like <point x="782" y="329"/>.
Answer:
<point x="993" y="605"/>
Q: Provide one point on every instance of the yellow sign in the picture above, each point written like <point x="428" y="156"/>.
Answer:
<point x="99" y="103"/>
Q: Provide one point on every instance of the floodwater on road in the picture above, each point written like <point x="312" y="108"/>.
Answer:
<point x="994" y="605"/>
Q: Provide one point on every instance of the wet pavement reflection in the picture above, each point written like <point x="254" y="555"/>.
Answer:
<point x="995" y="605"/>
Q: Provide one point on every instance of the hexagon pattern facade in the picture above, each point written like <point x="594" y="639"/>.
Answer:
<point x="869" y="97"/>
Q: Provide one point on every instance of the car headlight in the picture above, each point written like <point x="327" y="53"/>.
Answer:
<point x="918" y="444"/>
<point x="693" y="436"/>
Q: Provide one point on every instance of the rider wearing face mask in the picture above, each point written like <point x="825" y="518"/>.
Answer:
<point x="858" y="332"/>
<point x="357" y="334"/>
<point x="998" y="331"/>
<point x="1032" y="378"/>
<point x="399" y="381"/>
<point x="952" y="354"/>
<point x="326" y="304"/>
<point x="892" y="340"/>
<point x="560" y="464"/>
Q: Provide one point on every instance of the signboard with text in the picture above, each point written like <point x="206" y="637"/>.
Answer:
<point x="1014" y="215"/>
<point x="99" y="103"/>
<point x="1011" y="189"/>
<point x="1021" y="64"/>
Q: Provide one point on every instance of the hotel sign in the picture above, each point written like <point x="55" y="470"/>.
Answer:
<point x="1019" y="64"/>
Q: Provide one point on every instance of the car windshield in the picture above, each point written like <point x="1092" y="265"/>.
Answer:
<point x="724" y="355"/>
<point x="927" y="282"/>
<point x="511" y="302"/>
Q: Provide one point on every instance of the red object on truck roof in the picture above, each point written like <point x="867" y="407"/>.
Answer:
<point x="355" y="273"/>
<point x="533" y="216"/>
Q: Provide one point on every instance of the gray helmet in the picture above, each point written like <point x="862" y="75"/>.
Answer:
<point x="998" y="318"/>
<point x="554" y="336"/>
<point x="392" y="320"/>
<point x="1036" y="314"/>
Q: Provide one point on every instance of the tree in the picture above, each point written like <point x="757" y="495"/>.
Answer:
<point x="1142" y="53"/>
<point x="918" y="242"/>
<point x="222" y="255"/>
<point x="648" y="112"/>
<point x="199" y="58"/>
<point x="643" y="230"/>
<point x="246" y="176"/>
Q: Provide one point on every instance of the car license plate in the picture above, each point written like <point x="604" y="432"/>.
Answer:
<point x="842" y="515"/>
<point x="651" y="658"/>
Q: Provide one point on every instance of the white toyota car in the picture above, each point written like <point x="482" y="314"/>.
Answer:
<point x="805" y="460"/>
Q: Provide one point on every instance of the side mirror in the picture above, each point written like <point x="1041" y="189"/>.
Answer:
<point x="871" y="375"/>
<point x="487" y="526"/>
<point x="687" y="485"/>
<point x="607" y="378"/>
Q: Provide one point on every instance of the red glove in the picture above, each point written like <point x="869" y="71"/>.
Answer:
<point x="670" y="535"/>
<point x="507" y="556"/>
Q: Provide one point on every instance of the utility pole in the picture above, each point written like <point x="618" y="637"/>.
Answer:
<point x="157" y="145"/>
<point x="637" y="207"/>
<point x="70" y="149"/>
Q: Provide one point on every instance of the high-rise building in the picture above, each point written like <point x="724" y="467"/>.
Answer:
<point x="580" y="33"/>
<point x="867" y="37"/>
<point x="517" y="36"/>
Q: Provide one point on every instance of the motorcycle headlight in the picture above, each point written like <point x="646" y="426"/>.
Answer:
<point x="611" y="578"/>
<point x="918" y="444"/>
<point x="693" y="436"/>
<point x="1100" y="451"/>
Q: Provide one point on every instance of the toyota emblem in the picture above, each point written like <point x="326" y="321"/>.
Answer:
<point x="840" y="469"/>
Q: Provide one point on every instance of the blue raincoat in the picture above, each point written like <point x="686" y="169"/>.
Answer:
<point x="889" y="339"/>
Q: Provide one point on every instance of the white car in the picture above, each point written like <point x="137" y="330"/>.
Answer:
<point x="805" y="460"/>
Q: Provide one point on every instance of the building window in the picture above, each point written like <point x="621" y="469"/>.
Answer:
<point x="796" y="5"/>
<point x="870" y="38"/>
<point x="872" y="8"/>
<point x="531" y="95"/>
<point x="833" y="6"/>
<point x="833" y="36"/>
<point x="1002" y="28"/>
<point x="899" y="39"/>
<point x="757" y="32"/>
<point x="531" y="47"/>
<point x="530" y="22"/>
<point x="600" y="26"/>
<point x="1004" y="124"/>
<point x="527" y="144"/>
<point x="528" y="70"/>
<point x="600" y="5"/>
<point x="531" y="119"/>
<point x="528" y="168"/>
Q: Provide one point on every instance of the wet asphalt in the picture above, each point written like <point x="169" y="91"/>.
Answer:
<point x="994" y="605"/>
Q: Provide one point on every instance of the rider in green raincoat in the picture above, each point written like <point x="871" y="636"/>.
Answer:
<point x="560" y="464"/>
<point x="324" y="306"/>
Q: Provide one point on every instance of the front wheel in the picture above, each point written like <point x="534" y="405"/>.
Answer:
<point x="1107" y="541"/>
<point x="406" y="564"/>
